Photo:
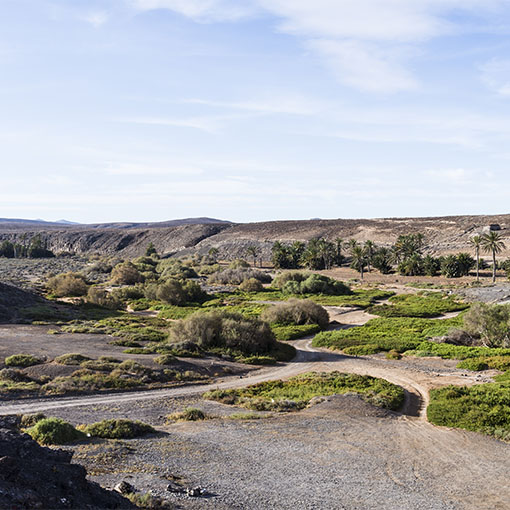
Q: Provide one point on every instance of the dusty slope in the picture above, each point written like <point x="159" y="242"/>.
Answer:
<point x="443" y="235"/>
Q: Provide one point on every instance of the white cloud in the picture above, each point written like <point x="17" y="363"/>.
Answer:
<point x="201" y="10"/>
<point x="96" y="18"/>
<point x="364" y="66"/>
<point x="356" y="38"/>
<point x="286" y="105"/>
<point x="496" y="76"/>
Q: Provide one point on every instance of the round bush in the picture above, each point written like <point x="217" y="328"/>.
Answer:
<point x="224" y="330"/>
<point x="297" y="311"/>
<point x="126" y="273"/>
<point x="22" y="360"/>
<point x="67" y="285"/>
<point x="118" y="429"/>
<point x="251" y="285"/>
<point x="54" y="431"/>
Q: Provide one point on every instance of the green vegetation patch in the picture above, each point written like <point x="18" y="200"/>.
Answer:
<point x="49" y="431"/>
<point x="482" y="408"/>
<point x="296" y="393"/>
<point x="189" y="414"/>
<point x="407" y="335"/>
<point x="432" y="304"/>
<point x="117" y="429"/>
<point x="71" y="359"/>
<point x="397" y="333"/>
<point x="293" y="331"/>
<point x="22" y="360"/>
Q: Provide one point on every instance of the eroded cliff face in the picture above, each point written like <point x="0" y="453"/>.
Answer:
<point x="442" y="235"/>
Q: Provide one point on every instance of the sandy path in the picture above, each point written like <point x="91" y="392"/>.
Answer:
<point x="416" y="382"/>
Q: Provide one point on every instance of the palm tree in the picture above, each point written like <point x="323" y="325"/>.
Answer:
<point x="359" y="259"/>
<point x="476" y="242"/>
<point x="339" y="242"/>
<point x="254" y="251"/>
<point x="369" y="250"/>
<point x="492" y="243"/>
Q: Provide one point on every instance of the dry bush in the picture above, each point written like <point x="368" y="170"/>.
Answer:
<point x="237" y="276"/>
<point x="67" y="285"/>
<point x="101" y="297"/>
<point x="224" y="330"/>
<point x="251" y="285"/>
<point x="289" y="276"/>
<point x="126" y="273"/>
<point x="176" y="292"/>
<point x="297" y="311"/>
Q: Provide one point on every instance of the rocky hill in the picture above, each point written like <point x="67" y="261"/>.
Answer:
<point x="443" y="234"/>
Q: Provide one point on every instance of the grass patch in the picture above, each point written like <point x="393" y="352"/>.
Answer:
<point x="189" y="414"/>
<point x="71" y="359"/>
<point x="432" y="304"/>
<point x="22" y="360"/>
<point x="54" y="431"/>
<point x="117" y="429"/>
<point x="297" y="392"/>
<point x="247" y="416"/>
<point x="482" y="408"/>
<point x="287" y="332"/>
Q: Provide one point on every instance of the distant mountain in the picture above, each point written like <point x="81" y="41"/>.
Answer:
<point x="34" y="223"/>
<point x="163" y="224"/>
<point x="20" y="222"/>
<point x="67" y="222"/>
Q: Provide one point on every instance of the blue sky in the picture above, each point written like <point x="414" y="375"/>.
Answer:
<point x="252" y="110"/>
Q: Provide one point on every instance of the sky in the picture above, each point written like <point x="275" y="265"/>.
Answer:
<point x="253" y="110"/>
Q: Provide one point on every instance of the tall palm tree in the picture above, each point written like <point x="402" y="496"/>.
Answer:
<point x="359" y="258"/>
<point x="254" y="251"/>
<point x="476" y="242"/>
<point x="339" y="242"/>
<point x="369" y="250"/>
<point x="492" y="243"/>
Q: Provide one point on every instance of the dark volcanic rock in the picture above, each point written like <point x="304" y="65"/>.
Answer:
<point x="32" y="476"/>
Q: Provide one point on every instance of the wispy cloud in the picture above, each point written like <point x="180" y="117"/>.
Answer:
<point x="96" y="18"/>
<point x="286" y="105"/>
<point x="201" y="10"/>
<point x="496" y="76"/>
<point x="356" y="39"/>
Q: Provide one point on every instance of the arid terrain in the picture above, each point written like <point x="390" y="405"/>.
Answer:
<point x="443" y="235"/>
<point x="341" y="453"/>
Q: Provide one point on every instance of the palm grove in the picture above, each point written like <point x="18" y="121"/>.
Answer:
<point x="406" y="256"/>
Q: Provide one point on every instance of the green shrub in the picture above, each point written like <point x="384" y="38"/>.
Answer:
<point x="189" y="414"/>
<point x="475" y="364"/>
<point x="54" y="431"/>
<point x="165" y="359"/>
<point x="393" y="354"/>
<point x="71" y="359"/>
<point x="22" y="360"/>
<point x="298" y="312"/>
<point x="483" y="408"/>
<point x="258" y="360"/>
<point x="293" y="332"/>
<point x="68" y="284"/>
<point x="418" y="305"/>
<point x="317" y="284"/>
<point x="118" y="429"/>
<point x="362" y="350"/>
<point x="490" y="323"/>
<point x="297" y="392"/>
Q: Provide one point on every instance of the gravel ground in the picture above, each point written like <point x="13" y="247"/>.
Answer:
<point x="340" y="454"/>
